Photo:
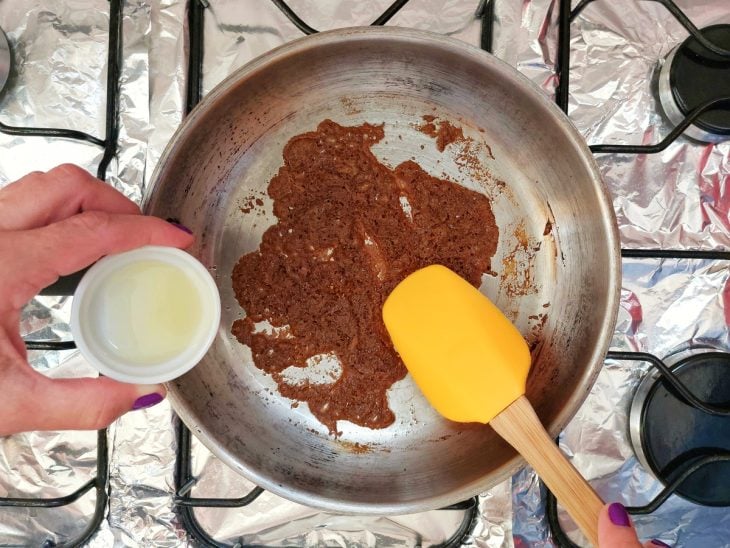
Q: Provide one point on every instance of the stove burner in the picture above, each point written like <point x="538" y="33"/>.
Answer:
<point x="4" y="59"/>
<point x="690" y="76"/>
<point x="668" y="434"/>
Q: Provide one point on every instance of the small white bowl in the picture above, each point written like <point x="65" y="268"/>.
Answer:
<point x="91" y="310"/>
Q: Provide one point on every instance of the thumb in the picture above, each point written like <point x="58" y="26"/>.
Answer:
<point x="81" y="404"/>
<point x="615" y="529"/>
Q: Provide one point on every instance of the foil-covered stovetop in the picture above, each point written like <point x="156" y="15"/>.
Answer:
<point x="673" y="199"/>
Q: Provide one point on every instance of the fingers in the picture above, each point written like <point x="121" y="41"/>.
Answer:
<point x="36" y="258"/>
<point x="9" y="326"/>
<point x="86" y="237"/>
<point x="615" y="529"/>
<point x="39" y="198"/>
<point x="35" y="402"/>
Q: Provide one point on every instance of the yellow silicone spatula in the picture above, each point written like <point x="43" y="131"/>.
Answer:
<point x="471" y="363"/>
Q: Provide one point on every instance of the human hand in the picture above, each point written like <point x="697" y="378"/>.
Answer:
<point x="53" y="224"/>
<point x="615" y="530"/>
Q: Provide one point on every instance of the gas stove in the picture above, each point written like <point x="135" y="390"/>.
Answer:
<point x="104" y="84"/>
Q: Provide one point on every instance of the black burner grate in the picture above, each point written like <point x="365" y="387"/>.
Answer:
<point x="567" y="16"/>
<point x="109" y="142"/>
<point x="184" y="482"/>
<point x="684" y="468"/>
<point x="696" y="76"/>
<point x="698" y="432"/>
<point x="690" y="465"/>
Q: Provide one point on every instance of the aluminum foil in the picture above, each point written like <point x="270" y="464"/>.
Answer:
<point x="672" y="199"/>
<point x="58" y="79"/>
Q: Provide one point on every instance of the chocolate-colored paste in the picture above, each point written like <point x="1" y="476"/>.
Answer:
<point x="445" y="134"/>
<point x="349" y="229"/>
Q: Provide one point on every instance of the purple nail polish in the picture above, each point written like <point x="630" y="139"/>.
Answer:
<point x="147" y="400"/>
<point x="180" y="226"/>
<point x="618" y="515"/>
<point x="657" y="542"/>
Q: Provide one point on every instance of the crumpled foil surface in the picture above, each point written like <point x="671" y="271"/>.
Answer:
<point x="673" y="199"/>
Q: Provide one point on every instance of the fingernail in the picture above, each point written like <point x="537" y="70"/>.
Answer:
<point x="180" y="226"/>
<point x="148" y="400"/>
<point x="618" y="515"/>
<point x="657" y="542"/>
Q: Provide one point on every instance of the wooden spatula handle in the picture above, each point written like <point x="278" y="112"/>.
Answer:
<point x="519" y="426"/>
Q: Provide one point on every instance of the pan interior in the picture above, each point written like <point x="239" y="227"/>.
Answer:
<point x="555" y="262"/>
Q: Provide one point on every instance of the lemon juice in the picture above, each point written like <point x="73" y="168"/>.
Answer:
<point x="148" y="312"/>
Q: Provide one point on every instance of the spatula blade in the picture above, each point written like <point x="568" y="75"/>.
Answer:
<point x="467" y="358"/>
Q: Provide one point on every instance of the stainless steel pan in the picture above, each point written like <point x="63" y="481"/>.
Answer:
<point x="231" y="145"/>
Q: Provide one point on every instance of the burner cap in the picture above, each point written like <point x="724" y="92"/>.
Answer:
<point x="665" y="431"/>
<point x="692" y="75"/>
<point x="4" y="59"/>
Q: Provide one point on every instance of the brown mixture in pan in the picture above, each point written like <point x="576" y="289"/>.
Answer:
<point x="349" y="229"/>
<point x="445" y="134"/>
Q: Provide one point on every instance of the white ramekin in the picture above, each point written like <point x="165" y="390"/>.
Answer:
<point x="85" y="329"/>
